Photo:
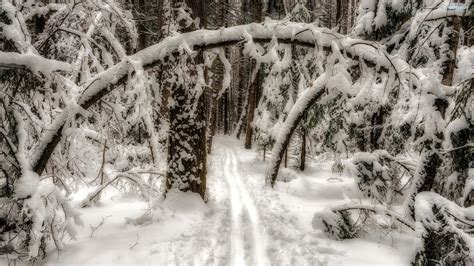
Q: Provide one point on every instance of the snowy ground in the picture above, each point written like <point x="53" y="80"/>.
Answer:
<point x="242" y="223"/>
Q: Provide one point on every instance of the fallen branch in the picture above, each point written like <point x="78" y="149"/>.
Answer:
<point x="377" y="209"/>
<point x="145" y="188"/>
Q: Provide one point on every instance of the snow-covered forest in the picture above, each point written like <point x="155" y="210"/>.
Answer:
<point x="236" y="132"/>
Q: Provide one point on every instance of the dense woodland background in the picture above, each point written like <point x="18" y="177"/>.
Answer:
<point x="382" y="88"/>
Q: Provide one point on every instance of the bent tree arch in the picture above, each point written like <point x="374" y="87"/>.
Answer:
<point x="322" y="39"/>
<point x="322" y="86"/>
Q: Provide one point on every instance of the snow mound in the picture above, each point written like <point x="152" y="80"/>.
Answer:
<point x="286" y="175"/>
<point x="185" y="202"/>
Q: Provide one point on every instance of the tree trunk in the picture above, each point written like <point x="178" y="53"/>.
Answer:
<point x="39" y="20"/>
<point x="212" y="122"/>
<point x="226" y="112"/>
<point x="377" y="122"/>
<point x="303" y="151"/>
<point x="187" y="162"/>
<point x="187" y="143"/>
<point x="251" y="106"/>
<point x="264" y="152"/>
<point x="141" y="27"/>
<point x="455" y="24"/>
<point x="339" y="15"/>
<point x="239" y="128"/>
<point x="461" y="158"/>
<point x="256" y="10"/>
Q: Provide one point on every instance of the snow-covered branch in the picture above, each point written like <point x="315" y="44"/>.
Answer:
<point x="32" y="62"/>
<point x="297" y="33"/>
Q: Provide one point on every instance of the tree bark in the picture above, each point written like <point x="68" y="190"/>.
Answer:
<point x="455" y="24"/>
<point x="141" y="26"/>
<point x="212" y="122"/>
<point x="256" y="10"/>
<point x="252" y="104"/>
<point x="226" y="112"/>
<point x="187" y="161"/>
<point x="303" y="151"/>
<point x="187" y="142"/>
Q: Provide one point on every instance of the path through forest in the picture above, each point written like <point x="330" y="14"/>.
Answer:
<point x="243" y="211"/>
<point x="250" y="225"/>
<point x="243" y="222"/>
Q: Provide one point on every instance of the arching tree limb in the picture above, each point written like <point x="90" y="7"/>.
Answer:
<point x="108" y="80"/>
<point x="304" y="102"/>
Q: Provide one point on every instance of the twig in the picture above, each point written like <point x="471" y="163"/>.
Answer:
<point x="135" y="244"/>
<point x="101" y="171"/>
<point x="94" y="228"/>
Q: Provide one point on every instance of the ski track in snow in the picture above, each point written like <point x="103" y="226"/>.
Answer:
<point x="247" y="225"/>
<point x="236" y="237"/>
<point x="243" y="204"/>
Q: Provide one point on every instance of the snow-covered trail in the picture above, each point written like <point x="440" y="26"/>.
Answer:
<point x="243" y="204"/>
<point x="243" y="221"/>
<point x="262" y="230"/>
<point x="232" y="232"/>
<point x="236" y="237"/>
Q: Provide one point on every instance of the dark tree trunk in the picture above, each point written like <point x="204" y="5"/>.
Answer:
<point x="40" y="23"/>
<point x="226" y="112"/>
<point x="242" y="119"/>
<point x="303" y="151"/>
<point x="454" y="23"/>
<point x="212" y="122"/>
<point x="377" y="122"/>
<point x="264" y="152"/>
<point x="243" y="96"/>
<point x="461" y="157"/>
<point x="339" y="14"/>
<point x="187" y="144"/>
<point x="141" y="26"/>
<point x="252" y="104"/>
<point x="187" y="161"/>
<point x="40" y="20"/>
<point x="255" y="10"/>
<point x="342" y="16"/>
<point x="199" y="8"/>
<point x="159" y="18"/>
<point x="217" y="107"/>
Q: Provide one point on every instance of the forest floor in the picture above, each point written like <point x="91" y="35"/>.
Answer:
<point x="243" y="222"/>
